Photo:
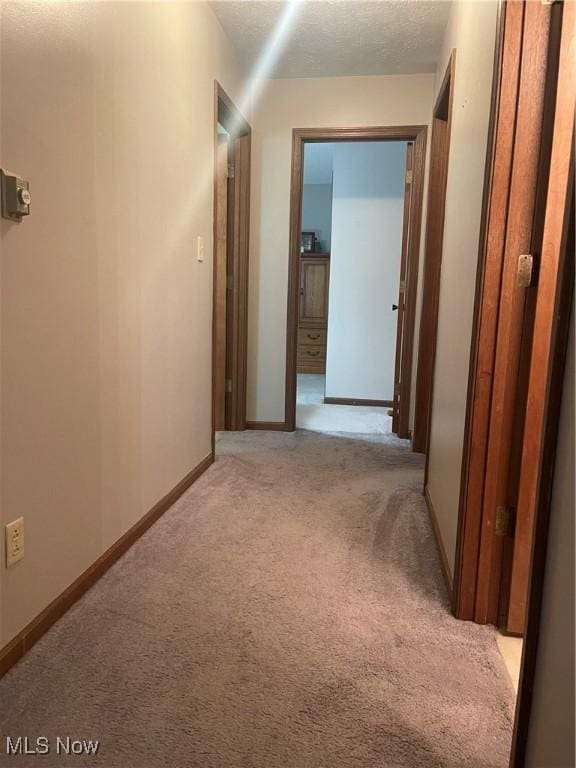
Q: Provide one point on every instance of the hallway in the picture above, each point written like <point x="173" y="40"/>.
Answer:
<point x="288" y="612"/>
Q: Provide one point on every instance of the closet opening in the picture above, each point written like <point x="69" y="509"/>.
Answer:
<point x="232" y="135"/>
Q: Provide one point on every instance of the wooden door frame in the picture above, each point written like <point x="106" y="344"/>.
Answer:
<point x="300" y="136"/>
<point x="220" y="288"/>
<point x="551" y="332"/>
<point x="475" y="593"/>
<point x="544" y="299"/>
<point x="229" y="116"/>
<point x="397" y="428"/>
<point x="438" y="178"/>
<point x="513" y="332"/>
<point x="485" y="320"/>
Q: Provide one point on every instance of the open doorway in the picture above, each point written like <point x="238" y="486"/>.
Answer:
<point x="231" y="229"/>
<point x="353" y="201"/>
<point x="439" y="156"/>
<point x="355" y="225"/>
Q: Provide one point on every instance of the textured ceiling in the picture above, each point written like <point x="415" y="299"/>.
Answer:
<point x="340" y="37"/>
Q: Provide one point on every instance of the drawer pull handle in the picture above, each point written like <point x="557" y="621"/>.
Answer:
<point x="314" y="336"/>
<point x="313" y="353"/>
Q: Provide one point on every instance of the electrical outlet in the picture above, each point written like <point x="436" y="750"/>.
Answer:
<point x="14" y="541"/>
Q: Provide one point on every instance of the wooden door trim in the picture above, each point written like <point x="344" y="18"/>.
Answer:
<point x="400" y="309"/>
<point x="401" y="426"/>
<point x="438" y="177"/>
<point x="516" y="607"/>
<point x="444" y="561"/>
<point x="488" y="282"/>
<point x="226" y="112"/>
<point x="551" y="330"/>
<point x="505" y="405"/>
<point x="478" y="556"/>
<point x="300" y="136"/>
<point x="239" y="292"/>
<point x="219" y="301"/>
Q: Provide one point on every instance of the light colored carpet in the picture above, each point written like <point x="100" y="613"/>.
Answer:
<point x="315" y="415"/>
<point x="310" y="388"/>
<point x="288" y="612"/>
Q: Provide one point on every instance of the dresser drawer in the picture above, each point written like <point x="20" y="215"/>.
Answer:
<point x="310" y="366"/>
<point x="311" y="359"/>
<point x="311" y="337"/>
<point x="312" y="354"/>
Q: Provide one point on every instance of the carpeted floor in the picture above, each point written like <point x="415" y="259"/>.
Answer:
<point x="314" y="414"/>
<point x="288" y="612"/>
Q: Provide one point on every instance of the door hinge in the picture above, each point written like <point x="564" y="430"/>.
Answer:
<point x="525" y="272"/>
<point x="402" y="287"/>
<point x="228" y="385"/>
<point x="409" y="177"/>
<point x="505" y="520"/>
<point x="231" y="171"/>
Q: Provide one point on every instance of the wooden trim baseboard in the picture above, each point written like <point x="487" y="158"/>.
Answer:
<point x="28" y="636"/>
<point x="443" y="557"/>
<point x="269" y="426"/>
<point x="356" y="401"/>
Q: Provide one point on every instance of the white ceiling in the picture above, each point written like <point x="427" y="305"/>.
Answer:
<point x="318" y="163"/>
<point x="340" y="37"/>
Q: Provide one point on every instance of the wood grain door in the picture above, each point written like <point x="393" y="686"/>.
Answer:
<point x="314" y="279"/>
<point x="550" y="340"/>
<point x="550" y="328"/>
<point x="496" y="519"/>
<point x="514" y="325"/>
<point x="401" y="306"/>
<point x="439" y="157"/>
<point x="220" y="280"/>
<point x="237" y="281"/>
<point x="489" y="279"/>
<point x="230" y="264"/>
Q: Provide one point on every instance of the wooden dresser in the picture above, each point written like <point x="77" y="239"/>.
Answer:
<point x="313" y="312"/>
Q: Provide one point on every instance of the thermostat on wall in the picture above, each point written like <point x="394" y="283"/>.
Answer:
<point x="15" y="196"/>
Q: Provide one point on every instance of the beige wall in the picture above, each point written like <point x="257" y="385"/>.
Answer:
<point x="106" y="314"/>
<point x="302" y="103"/>
<point x="471" y="30"/>
<point x="551" y="734"/>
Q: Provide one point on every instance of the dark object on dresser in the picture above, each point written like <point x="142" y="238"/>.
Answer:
<point x="308" y="242"/>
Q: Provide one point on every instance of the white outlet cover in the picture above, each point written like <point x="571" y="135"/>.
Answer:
<point x="14" y="541"/>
